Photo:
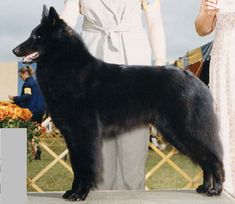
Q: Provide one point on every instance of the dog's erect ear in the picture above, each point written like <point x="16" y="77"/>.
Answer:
<point x="45" y="11"/>
<point x="53" y="16"/>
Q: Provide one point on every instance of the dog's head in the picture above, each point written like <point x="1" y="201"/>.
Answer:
<point x="43" y="38"/>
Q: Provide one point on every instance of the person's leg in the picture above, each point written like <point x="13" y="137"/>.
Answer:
<point x="39" y="155"/>
<point x="36" y="155"/>
<point x="37" y="117"/>
<point x="109" y="165"/>
<point x="132" y="155"/>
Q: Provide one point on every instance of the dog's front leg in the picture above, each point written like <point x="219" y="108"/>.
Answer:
<point x="84" y="143"/>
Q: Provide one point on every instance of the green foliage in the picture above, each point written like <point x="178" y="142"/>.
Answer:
<point x="34" y="130"/>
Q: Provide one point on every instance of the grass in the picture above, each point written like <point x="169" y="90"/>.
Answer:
<point x="166" y="177"/>
<point x="59" y="179"/>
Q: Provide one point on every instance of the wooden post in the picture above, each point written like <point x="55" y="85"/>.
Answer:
<point x="8" y="79"/>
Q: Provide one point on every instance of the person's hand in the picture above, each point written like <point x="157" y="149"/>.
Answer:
<point x="11" y="97"/>
<point x="160" y="62"/>
<point x="211" y="7"/>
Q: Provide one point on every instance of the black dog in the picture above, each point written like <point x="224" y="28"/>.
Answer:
<point x="89" y="99"/>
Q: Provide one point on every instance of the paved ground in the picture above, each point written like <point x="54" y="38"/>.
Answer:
<point x="134" y="197"/>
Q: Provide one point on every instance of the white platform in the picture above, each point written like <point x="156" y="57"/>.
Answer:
<point x="134" y="197"/>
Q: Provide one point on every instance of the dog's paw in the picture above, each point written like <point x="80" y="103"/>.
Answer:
<point x="67" y="194"/>
<point x="75" y="195"/>
<point x="72" y="196"/>
<point x="202" y="189"/>
<point x="214" y="191"/>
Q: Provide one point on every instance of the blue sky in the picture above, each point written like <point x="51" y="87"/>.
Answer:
<point x="19" y="17"/>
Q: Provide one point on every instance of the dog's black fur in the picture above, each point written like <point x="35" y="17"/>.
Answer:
<point x="89" y="99"/>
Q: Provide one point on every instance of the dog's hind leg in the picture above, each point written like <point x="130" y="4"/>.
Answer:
<point x="213" y="174"/>
<point x="167" y="131"/>
<point x="174" y="140"/>
<point x="206" y="149"/>
<point x="84" y="143"/>
<point x="207" y="179"/>
<point x="217" y="170"/>
<point x="200" y="153"/>
<point x="208" y="157"/>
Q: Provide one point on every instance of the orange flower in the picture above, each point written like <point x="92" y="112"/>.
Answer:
<point x="4" y="103"/>
<point x="17" y="112"/>
<point x="25" y="114"/>
<point x="1" y="115"/>
<point x="4" y="110"/>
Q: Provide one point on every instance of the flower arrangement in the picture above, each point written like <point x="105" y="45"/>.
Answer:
<point x="13" y="116"/>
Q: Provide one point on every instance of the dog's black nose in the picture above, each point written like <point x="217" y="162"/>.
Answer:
<point x="16" y="51"/>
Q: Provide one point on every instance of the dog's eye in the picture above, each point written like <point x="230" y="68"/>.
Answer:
<point x="36" y="37"/>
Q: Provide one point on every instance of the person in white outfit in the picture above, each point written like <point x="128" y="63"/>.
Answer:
<point x="113" y="31"/>
<point x="220" y="14"/>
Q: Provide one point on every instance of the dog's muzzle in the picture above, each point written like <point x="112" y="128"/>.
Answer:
<point x="16" y="51"/>
<point x="28" y="58"/>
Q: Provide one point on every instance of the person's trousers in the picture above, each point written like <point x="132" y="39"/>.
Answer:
<point x="124" y="159"/>
<point x="37" y="117"/>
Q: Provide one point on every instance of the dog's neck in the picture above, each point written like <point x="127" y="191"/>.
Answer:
<point x="70" y="49"/>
